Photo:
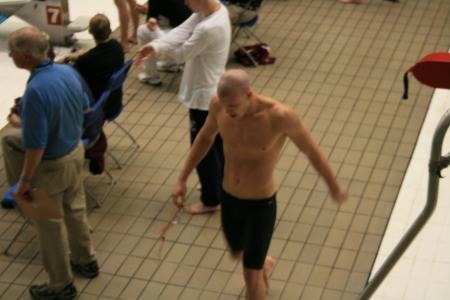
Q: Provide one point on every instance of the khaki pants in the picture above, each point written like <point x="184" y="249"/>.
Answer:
<point x="239" y="14"/>
<point x="62" y="180"/>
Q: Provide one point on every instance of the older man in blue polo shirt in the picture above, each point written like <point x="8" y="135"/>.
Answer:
<point x="48" y="155"/>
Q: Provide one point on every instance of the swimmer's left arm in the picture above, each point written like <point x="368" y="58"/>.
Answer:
<point x="202" y="143"/>
<point x="294" y="128"/>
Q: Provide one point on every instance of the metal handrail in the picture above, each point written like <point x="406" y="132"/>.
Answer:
<point x="437" y="163"/>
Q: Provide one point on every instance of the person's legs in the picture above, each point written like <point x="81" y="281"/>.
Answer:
<point x="74" y="205"/>
<point x="61" y="179"/>
<point x="209" y="170"/>
<point x="51" y="176"/>
<point x="233" y="223"/>
<point x="82" y="254"/>
<point x="134" y="19"/>
<point x="52" y="238"/>
<point x="145" y="36"/>
<point x="261" y="215"/>
<point x="124" y="19"/>
<point x="13" y="155"/>
<point x="239" y="14"/>
<point x="254" y="284"/>
<point x="257" y="281"/>
<point x="248" y="227"/>
<point x="52" y="234"/>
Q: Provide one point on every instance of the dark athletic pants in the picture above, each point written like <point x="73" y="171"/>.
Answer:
<point x="210" y="169"/>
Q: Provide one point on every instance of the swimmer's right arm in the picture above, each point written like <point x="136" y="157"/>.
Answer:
<point x="199" y="149"/>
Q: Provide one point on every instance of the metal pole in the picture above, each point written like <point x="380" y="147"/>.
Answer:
<point x="433" y="188"/>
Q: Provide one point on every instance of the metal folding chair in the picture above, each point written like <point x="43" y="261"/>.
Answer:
<point x="115" y="82"/>
<point x="246" y="28"/>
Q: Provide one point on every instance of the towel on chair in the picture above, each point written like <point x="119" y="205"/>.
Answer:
<point x="96" y="155"/>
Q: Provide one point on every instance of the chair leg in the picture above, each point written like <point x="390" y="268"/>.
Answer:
<point x="135" y="143"/>
<point x="248" y="31"/>
<point x="255" y="63"/>
<point x="113" y="182"/>
<point x="116" y="160"/>
<point x="236" y="30"/>
<point x="99" y="202"/>
<point x="22" y="228"/>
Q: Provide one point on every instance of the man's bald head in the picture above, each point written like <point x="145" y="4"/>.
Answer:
<point x="233" y="82"/>
<point x="29" y="39"/>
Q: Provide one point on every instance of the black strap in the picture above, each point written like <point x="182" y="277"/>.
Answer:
<point x="405" y="83"/>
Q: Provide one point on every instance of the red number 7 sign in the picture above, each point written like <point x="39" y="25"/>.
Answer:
<point x="53" y="15"/>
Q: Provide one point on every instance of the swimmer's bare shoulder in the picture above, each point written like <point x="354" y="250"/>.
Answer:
<point x="214" y="105"/>
<point x="284" y="117"/>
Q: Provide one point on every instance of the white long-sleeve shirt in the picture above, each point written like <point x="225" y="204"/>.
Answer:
<point x="203" y="43"/>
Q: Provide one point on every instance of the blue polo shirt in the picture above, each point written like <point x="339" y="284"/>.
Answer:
<point x="51" y="110"/>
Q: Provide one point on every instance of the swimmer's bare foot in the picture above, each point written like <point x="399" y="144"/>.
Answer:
<point x="268" y="266"/>
<point x="351" y="1"/>
<point x="199" y="208"/>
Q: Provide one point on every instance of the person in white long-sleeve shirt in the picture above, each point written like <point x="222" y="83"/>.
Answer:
<point x="203" y="43"/>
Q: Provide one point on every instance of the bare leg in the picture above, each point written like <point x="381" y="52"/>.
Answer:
<point x="134" y="19"/>
<point x="254" y="284"/>
<point x="199" y="208"/>
<point x="124" y="19"/>
<point x="257" y="281"/>
<point x="236" y="255"/>
<point x="268" y="266"/>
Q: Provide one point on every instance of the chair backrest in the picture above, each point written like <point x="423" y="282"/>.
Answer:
<point x="115" y="82"/>
<point x="117" y="79"/>
<point x="95" y="111"/>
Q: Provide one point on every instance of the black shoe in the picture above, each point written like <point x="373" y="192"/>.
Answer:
<point x="90" y="270"/>
<point x="41" y="292"/>
<point x="7" y="204"/>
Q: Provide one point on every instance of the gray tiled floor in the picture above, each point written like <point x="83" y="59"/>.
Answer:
<point x="340" y="66"/>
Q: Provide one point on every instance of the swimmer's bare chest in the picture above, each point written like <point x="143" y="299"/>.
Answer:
<point x="251" y="151"/>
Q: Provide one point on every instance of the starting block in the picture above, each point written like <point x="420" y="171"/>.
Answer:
<point x="50" y="16"/>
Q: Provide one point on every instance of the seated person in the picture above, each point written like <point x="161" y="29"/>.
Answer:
<point x="98" y="64"/>
<point x="241" y="11"/>
<point x="93" y="132"/>
<point x="169" y="14"/>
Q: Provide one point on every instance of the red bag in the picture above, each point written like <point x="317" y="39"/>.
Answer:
<point x="260" y="52"/>
<point x="432" y="70"/>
